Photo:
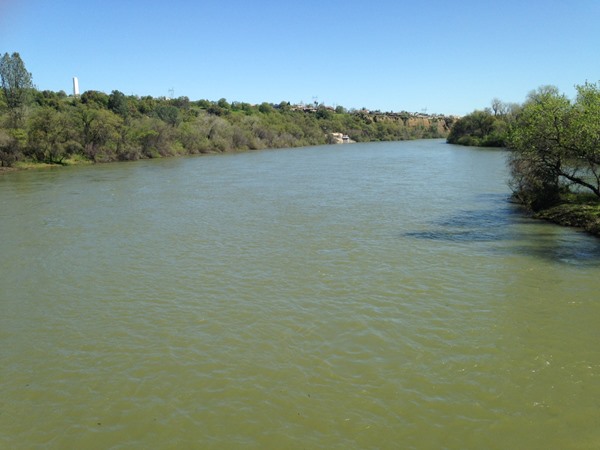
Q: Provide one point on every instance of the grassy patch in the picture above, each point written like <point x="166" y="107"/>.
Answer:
<point x="27" y="165"/>
<point x="578" y="210"/>
<point x="75" y="160"/>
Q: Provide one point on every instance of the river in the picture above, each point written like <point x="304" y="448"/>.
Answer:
<point x="380" y="295"/>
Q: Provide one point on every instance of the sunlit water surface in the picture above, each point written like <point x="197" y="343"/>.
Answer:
<point x="362" y="296"/>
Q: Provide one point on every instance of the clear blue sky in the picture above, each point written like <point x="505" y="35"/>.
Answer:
<point x="448" y="57"/>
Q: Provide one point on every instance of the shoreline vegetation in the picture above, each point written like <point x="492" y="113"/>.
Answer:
<point x="60" y="130"/>
<point x="554" y="151"/>
<point x="53" y="128"/>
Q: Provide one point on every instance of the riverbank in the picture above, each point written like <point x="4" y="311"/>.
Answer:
<point x="105" y="128"/>
<point x="580" y="213"/>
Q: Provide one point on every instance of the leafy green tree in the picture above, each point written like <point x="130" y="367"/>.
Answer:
<point x="182" y="103"/>
<point x="95" y="99"/>
<point x="152" y="137"/>
<point x="585" y="138"/>
<point x="147" y="105"/>
<point x="222" y="103"/>
<point x="168" y="114"/>
<point x="324" y="113"/>
<point x="474" y="129"/>
<point x="202" y="104"/>
<point x="537" y="150"/>
<point x="49" y="98"/>
<point x="117" y="103"/>
<point x="215" y="110"/>
<point x="219" y="132"/>
<point x="284" y="106"/>
<point x="50" y="136"/>
<point x="16" y="85"/>
<point x="193" y="137"/>
<point x="265" y="108"/>
<point x="556" y="146"/>
<point x="99" y="132"/>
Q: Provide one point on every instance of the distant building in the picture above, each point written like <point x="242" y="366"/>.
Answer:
<point x="75" y="87"/>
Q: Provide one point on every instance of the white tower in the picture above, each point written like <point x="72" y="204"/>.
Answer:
<point x="75" y="87"/>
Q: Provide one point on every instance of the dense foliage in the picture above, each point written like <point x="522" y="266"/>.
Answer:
<point x="554" y="143"/>
<point x="16" y="85"/>
<point x="96" y="126"/>
<point x="485" y="128"/>
<point x="556" y="146"/>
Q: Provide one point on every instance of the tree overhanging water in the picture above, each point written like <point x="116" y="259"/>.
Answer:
<point x="555" y="151"/>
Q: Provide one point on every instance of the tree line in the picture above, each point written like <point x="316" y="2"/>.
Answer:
<point x="554" y="144"/>
<point x="53" y="127"/>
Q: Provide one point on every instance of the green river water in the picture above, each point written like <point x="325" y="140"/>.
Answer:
<point x="360" y="296"/>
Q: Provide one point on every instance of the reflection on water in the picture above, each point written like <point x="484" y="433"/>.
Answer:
<point x="469" y="225"/>
<point x="364" y="296"/>
<point x="507" y="222"/>
<point x="563" y="248"/>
